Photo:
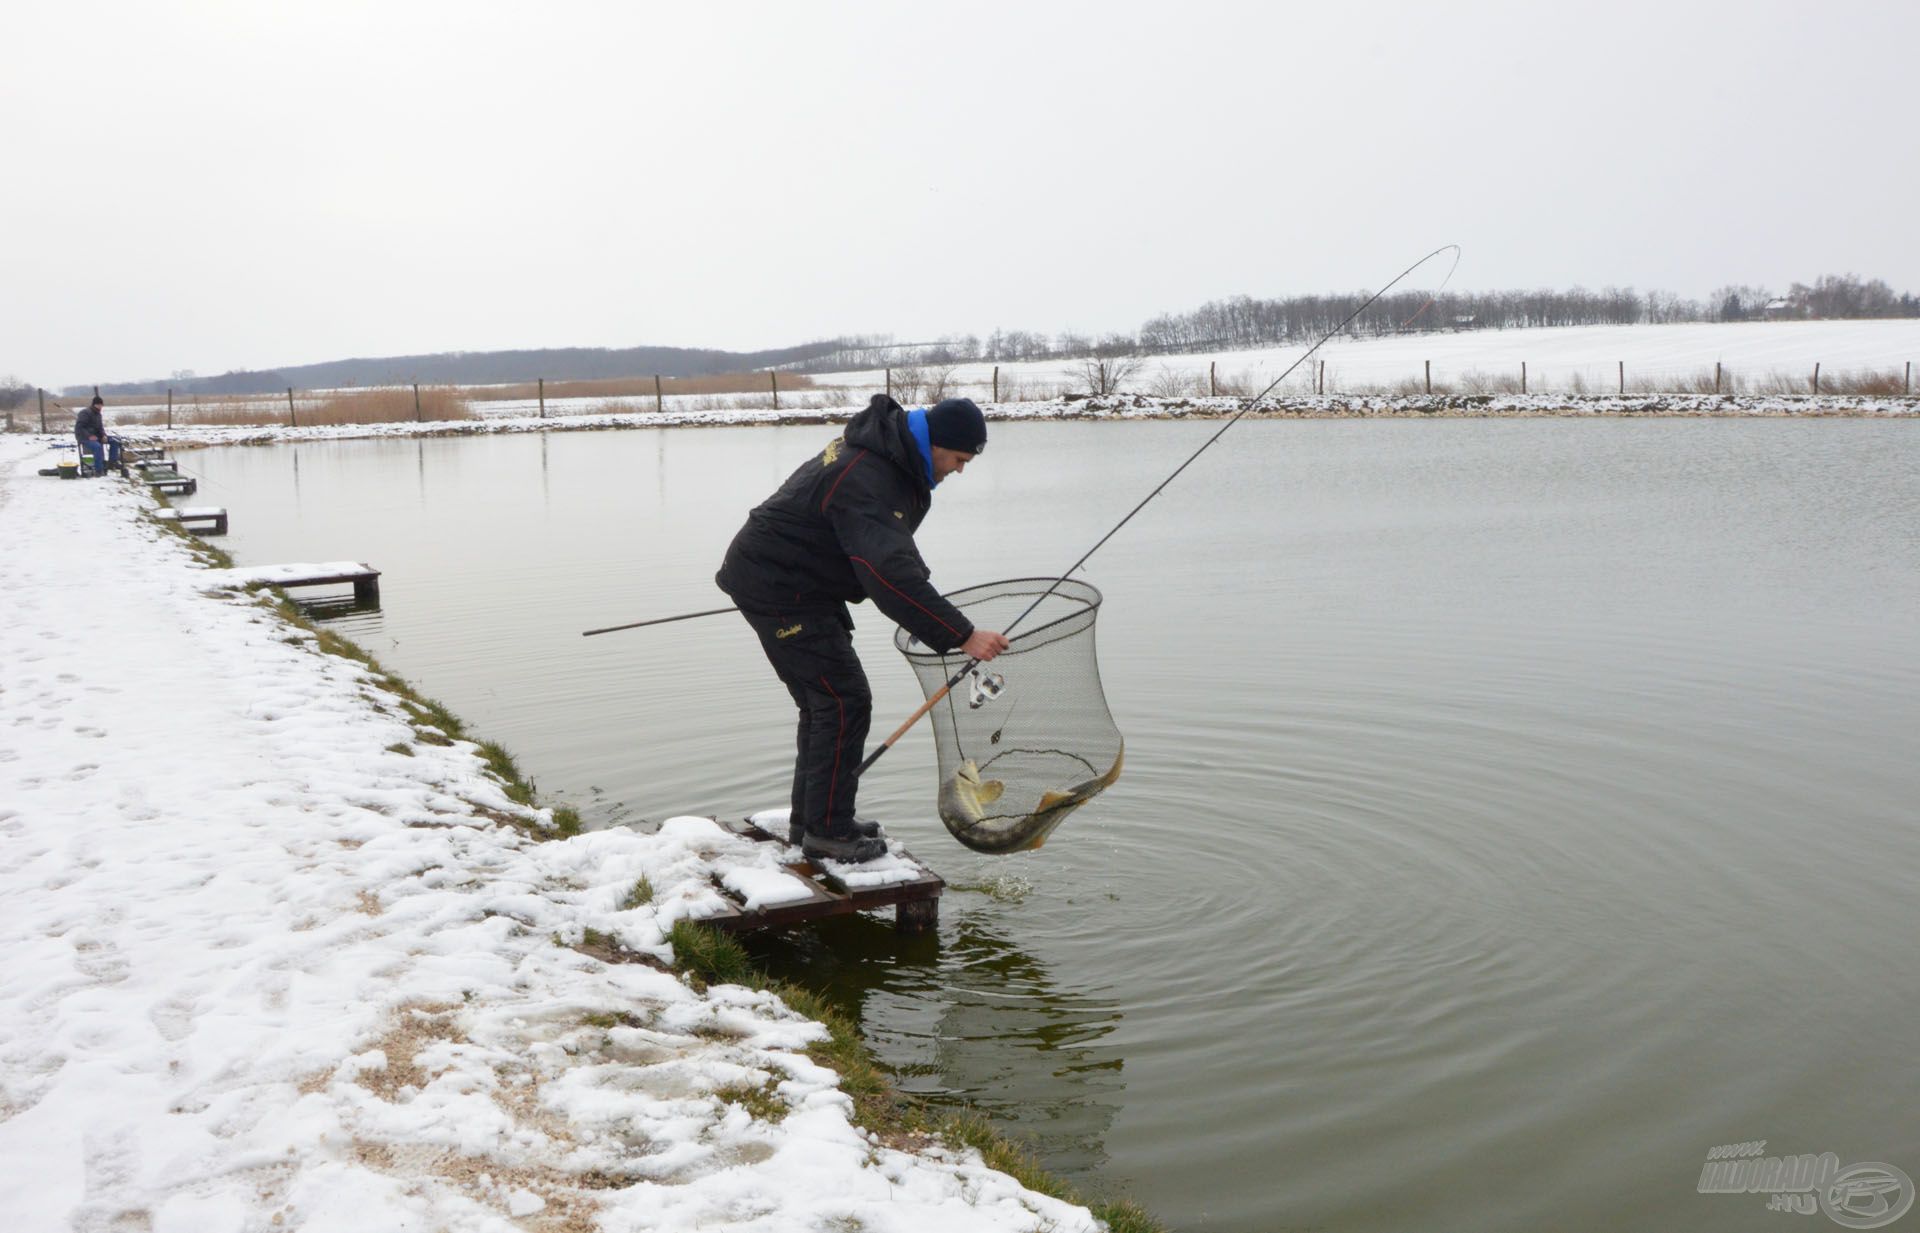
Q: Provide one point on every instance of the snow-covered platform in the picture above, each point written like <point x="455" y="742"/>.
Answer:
<point x="796" y="888"/>
<point x="365" y="578"/>
<point x="211" y="519"/>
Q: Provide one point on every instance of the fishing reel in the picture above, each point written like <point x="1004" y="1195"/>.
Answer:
<point x="984" y="687"/>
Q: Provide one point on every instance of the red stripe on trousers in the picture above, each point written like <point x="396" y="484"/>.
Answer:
<point x="839" y="740"/>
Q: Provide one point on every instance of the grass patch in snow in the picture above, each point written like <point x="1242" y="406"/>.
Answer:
<point x="707" y="956"/>
<point x="501" y="763"/>
<point x="761" y="1101"/>
<point x="640" y="896"/>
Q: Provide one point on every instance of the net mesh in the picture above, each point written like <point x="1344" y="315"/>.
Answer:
<point x="1025" y="739"/>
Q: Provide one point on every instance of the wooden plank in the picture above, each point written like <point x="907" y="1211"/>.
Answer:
<point x="320" y="580"/>
<point x="831" y="896"/>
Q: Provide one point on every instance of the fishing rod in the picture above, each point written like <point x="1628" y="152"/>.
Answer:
<point x="685" y="616"/>
<point x="1249" y="405"/>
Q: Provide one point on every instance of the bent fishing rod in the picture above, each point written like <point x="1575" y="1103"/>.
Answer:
<point x="1249" y="405"/>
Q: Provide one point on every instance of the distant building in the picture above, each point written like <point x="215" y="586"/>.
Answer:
<point x="1781" y="310"/>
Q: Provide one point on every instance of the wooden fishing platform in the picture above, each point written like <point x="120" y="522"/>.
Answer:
<point x="365" y="578"/>
<point x="915" y="899"/>
<point x="172" y="482"/>
<point x="212" y="519"/>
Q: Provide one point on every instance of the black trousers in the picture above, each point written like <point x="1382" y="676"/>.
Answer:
<point x="811" y="650"/>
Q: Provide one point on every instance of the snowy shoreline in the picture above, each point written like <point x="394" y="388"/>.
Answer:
<point x="1089" y="409"/>
<point x="283" y="955"/>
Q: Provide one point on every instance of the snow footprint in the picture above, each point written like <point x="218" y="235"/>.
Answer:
<point x="110" y="1160"/>
<point x="173" y="1018"/>
<point x="101" y="961"/>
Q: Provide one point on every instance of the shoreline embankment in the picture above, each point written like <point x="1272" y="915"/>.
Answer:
<point x="286" y="949"/>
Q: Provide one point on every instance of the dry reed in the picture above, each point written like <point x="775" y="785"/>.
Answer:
<point x="384" y="405"/>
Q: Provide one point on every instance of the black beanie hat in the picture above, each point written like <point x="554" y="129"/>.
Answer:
<point x="957" y="424"/>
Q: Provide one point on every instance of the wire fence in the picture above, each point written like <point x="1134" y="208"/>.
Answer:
<point x="1162" y="377"/>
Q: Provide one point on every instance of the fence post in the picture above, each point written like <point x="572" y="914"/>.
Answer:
<point x="1320" y="379"/>
<point x="43" y="406"/>
<point x="1213" y="383"/>
<point x="293" y="421"/>
<point x="543" y="397"/>
<point x="1523" y="376"/>
<point x="1623" y="377"/>
<point x="773" y="378"/>
<point x="1716" y="376"/>
<point x="889" y="383"/>
<point x="1816" y="376"/>
<point x="659" y="400"/>
<point x="416" y="402"/>
<point x="1909" y="376"/>
<point x="1429" y="376"/>
<point x="996" y="380"/>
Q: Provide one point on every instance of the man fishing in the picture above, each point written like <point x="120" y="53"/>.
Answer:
<point x="840" y="530"/>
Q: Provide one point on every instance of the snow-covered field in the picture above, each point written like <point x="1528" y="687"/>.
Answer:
<point x="1756" y="357"/>
<point x="1555" y="357"/>
<point x="276" y="959"/>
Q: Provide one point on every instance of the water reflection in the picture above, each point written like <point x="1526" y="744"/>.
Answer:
<point x="969" y="1019"/>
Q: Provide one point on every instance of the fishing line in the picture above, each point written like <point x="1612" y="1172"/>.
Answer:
<point x="1249" y="405"/>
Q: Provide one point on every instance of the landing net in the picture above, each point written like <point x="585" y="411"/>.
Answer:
<point x="1025" y="739"/>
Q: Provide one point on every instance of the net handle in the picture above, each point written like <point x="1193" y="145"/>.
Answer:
<point x="914" y="718"/>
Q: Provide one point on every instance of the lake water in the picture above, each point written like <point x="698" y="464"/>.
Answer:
<point x="1513" y="812"/>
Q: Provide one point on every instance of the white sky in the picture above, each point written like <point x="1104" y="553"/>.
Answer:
<point x="214" y="186"/>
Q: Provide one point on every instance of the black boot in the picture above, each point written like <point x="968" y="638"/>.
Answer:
<point x="851" y="849"/>
<point x="866" y="828"/>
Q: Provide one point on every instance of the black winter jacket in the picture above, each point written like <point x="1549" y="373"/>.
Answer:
<point x="87" y="424"/>
<point x="841" y="530"/>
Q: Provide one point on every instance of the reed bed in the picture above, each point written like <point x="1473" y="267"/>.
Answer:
<point x="382" y="405"/>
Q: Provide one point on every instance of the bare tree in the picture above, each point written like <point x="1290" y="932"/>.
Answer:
<point x="1171" y="383"/>
<point x="907" y="382"/>
<point x="1105" y="374"/>
<point x="938" y="380"/>
<point x="13" y="392"/>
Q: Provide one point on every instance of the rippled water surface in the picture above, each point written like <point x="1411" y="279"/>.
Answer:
<point x="1514" y="810"/>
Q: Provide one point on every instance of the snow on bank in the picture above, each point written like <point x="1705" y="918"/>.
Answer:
<point x="1120" y="406"/>
<point x="275" y="962"/>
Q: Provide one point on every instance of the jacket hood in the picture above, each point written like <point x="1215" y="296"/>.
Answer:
<point x="882" y="430"/>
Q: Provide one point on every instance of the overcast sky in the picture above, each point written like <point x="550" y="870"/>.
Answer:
<point x="212" y="186"/>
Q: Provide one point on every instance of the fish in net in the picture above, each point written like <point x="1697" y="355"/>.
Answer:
<point x="1026" y="739"/>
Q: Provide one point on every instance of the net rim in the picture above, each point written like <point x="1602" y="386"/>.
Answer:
<point x="1087" y="594"/>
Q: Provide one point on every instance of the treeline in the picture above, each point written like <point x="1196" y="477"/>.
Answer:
<point x="1245" y="321"/>
<point x="14" y="393"/>
<point x="478" y="368"/>
<point x="1231" y="324"/>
